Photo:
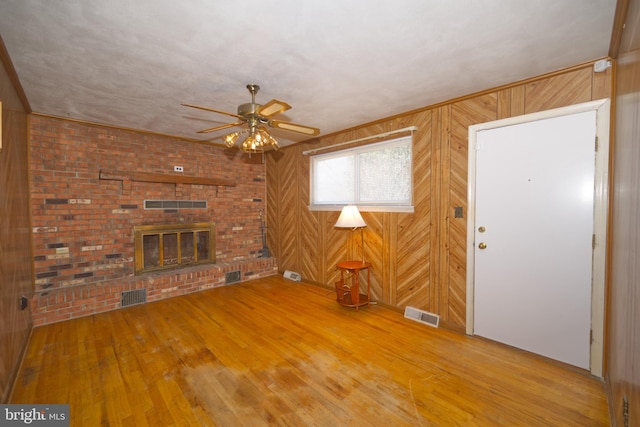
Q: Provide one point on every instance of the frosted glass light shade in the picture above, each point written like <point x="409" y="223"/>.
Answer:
<point x="350" y="218"/>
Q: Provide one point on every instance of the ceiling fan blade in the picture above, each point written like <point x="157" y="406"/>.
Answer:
<point x="230" y="125"/>
<point x="212" y="110"/>
<point x="307" y="130"/>
<point x="273" y="107"/>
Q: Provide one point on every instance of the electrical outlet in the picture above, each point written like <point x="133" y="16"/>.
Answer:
<point x="178" y="169"/>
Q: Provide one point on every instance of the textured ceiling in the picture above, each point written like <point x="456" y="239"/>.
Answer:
<point x="337" y="63"/>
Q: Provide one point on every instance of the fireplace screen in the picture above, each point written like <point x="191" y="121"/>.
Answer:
<point x="159" y="247"/>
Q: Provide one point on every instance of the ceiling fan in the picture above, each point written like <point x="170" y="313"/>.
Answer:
<point x="256" y="117"/>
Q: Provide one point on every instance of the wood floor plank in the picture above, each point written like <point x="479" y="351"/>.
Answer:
<point x="276" y="352"/>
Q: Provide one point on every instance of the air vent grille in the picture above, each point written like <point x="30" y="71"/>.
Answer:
<point x="232" y="277"/>
<point x="422" y="316"/>
<point x="175" y="204"/>
<point x="137" y="296"/>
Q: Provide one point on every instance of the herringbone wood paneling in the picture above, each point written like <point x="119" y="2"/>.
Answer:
<point x="373" y="250"/>
<point x="336" y="248"/>
<point x="310" y="233"/>
<point x="418" y="258"/>
<point x="272" y="218"/>
<point x="411" y="281"/>
<point x="288" y="232"/>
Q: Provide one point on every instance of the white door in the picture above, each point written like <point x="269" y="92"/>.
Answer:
<point x="533" y="235"/>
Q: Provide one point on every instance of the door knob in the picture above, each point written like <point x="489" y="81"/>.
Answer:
<point x="482" y="245"/>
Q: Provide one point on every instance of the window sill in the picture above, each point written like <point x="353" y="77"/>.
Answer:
<point x="364" y="208"/>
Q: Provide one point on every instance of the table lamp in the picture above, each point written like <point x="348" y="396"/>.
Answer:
<point x="350" y="218"/>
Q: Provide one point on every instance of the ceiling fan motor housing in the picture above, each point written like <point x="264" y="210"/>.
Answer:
<point x="249" y="109"/>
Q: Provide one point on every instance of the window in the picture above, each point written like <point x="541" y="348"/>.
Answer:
<point x="376" y="177"/>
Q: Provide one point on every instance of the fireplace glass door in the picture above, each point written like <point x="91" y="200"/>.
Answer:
<point x="159" y="247"/>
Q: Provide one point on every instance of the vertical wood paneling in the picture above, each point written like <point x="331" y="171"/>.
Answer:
<point x="623" y="328"/>
<point x="517" y="101"/>
<point x="15" y="233"/>
<point x="418" y="258"/>
<point x="439" y="132"/>
<point x="504" y="104"/>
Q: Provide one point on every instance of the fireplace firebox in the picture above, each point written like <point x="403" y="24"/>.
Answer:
<point x="169" y="246"/>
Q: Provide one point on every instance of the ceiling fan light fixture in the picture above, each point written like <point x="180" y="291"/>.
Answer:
<point x="257" y="141"/>
<point x="255" y="137"/>
<point x="231" y="139"/>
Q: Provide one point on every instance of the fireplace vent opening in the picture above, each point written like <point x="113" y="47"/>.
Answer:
<point x="232" y="277"/>
<point x="137" y="296"/>
<point x="175" y="204"/>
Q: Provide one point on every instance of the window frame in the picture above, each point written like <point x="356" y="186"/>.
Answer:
<point x="362" y="206"/>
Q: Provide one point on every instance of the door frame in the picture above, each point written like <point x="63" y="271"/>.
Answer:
<point x="601" y="209"/>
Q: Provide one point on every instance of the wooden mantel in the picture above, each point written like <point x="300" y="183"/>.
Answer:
<point x="163" y="178"/>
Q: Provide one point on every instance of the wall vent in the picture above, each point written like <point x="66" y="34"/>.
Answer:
<point x="232" y="277"/>
<point x="422" y="316"/>
<point x="175" y="204"/>
<point x="137" y="296"/>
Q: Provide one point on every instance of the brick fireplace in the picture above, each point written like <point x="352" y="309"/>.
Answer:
<point x="90" y="186"/>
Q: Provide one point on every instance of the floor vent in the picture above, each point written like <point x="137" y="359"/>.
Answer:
<point x="232" y="277"/>
<point x="422" y="316"/>
<point x="137" y="296"/>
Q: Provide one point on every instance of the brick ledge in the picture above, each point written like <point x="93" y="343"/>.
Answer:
<point x="56" y="305"/>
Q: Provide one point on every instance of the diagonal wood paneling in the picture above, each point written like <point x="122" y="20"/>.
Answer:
<point x="310" y="235"/>
<point x="287" y="212"/>
<point x="463" y="114"/>
<point x="272" y="205"/>
<point x="559" y="91"/>
<point x="413" y="247"/>
<point x="336" y="246"/>
<point x="418" y="258"/>
<point x="373" y="251"/>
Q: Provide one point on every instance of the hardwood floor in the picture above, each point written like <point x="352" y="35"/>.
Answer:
<point x="275" y="352"/>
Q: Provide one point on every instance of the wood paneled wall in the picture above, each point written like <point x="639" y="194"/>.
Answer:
<point x="623" y="329"/>
<point x="15" y="235"/>
<point x="418" y="258"/>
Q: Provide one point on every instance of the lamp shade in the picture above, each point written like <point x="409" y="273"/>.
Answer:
<point x="350" y="218"/>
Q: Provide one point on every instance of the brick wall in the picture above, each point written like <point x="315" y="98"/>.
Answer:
<point x="82" y="225"/>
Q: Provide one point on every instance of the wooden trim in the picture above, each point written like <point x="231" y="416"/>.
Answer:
<point x="163" y="178"/>
<point x="5" y="59"/>
<point x="622" y="6"/>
